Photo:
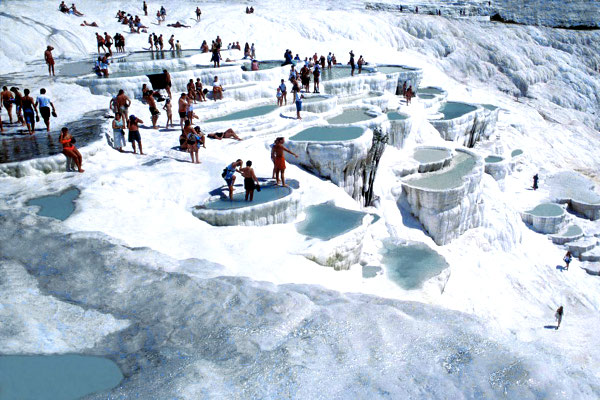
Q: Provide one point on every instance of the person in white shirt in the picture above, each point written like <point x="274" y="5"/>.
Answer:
<point x="44" y="104"/>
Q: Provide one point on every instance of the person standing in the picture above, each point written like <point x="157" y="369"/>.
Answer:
<point x="250" y="180"/>
<point x="172" y="43"/>
<point x="160" y="42"/>
<point x="148" y="96"/>
<point x="198" y="14"/>
<point x="49" y="60"/>
<point x="134" y="132"/>
<point x="298" y="100"/>
<point x="567" y="259"/>
<point x="100" y="41"/>
<point x="283" y="89"/>
<point x="150" y="42"/>
<point x="30" y="113"/>
<point x="168" y="107"/>
<point x="360" y="62"/>
<point x="559" y="315"/>
<point x="7" y="101"/>
<point x="123" y="104"/>
<point x="118" y="126"/>
<point x="535" y="182"/>
<point x="316" y="78"/>
<point x="351" y="63"/>
<point x="108" y="42"/>
<point x="44" y="104"/>
<point x="182" y="109"/>
<point x="279" y="151"/>
<point x="168" y="82"/>
<point x="252" y="52"/>
<point x="145" y="8"/>
<point x="229" y="175"/>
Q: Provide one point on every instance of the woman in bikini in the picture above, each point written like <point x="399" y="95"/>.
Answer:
<point x="228" y="134"/>
<point x="69" y="149"/>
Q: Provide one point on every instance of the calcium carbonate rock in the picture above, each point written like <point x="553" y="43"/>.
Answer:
<point x="545" y="218"/>
<point x="466" y="129"/>
<point x="278" y="211"/>
<point x="340" y="252"/>
<point x="342" y="162"/>
<point x="446" y="202"/>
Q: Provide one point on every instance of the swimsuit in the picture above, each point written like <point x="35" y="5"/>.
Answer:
<point x="67" y="144"/>
<point x="182" y="114"/>
<point x="279" y="163"/>
<point x="153" y="111"/>
<point x="249" y="184"/>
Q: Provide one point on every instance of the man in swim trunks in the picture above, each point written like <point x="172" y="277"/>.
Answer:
<point x="149" y="98"/>
<point x="316" y="75"/>
<point x="198" y="14"/>
<point x="108" y="42"/>
<point x="229" y="177"/>
<point x="183" y="108"/>
<point x="100" y="41"/>
<point x="44" y="104"/>
<point x="134" y="132"/>
<point x="351" y="63"/>
<point x="167" y="82"/>
<point x="123" y="104"/>
<point x="279" y="151"/>
<point x="17" y="100"/>
<point x="250" y="180"/>
<point x="29" y="111"/>
<point x="49" y="60"/>
<point x="7" y="101"/>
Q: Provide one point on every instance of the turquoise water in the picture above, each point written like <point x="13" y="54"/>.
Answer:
<point x="454" y="109"/>
<point x="59" y="207"/>
<point x="334" y="73"/>
<point x="313" y="99"/>
<point x="396" y="116"/>
<point x="412" y="264"/>
<point x="431" y="155"/>
<point x="430" y="90"/>
<point x="493" y="159"/>
<point x="426" y="96"/>
<point x="516" y="152"/>
<point x="251" y="112"/>
<point x="262" y="65"/>
<point x="389" y="69"/>
<point x="452" y="177"/>
<point x="21" y="146"/>
<point x="572" y="230"/>
<point x="328" y="134"/>
<point x="547" y="210"/>
<point x="266" y="194"/>
<point x="157" y="55"/>
<point x="55" y="377"/>
<point x="326" y="221"/>
<point x="152" y="71"/>
<point x="351" y="116"/>
<point x="369" y="271"/>
<point x="490" y="107"/>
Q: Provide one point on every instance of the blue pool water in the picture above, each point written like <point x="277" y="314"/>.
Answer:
<point x="56" y="377"/>
<point x="410" y="265"/>
<point x="267" y="193"/>
<point x="328" y="134"/>
<point x="251" y="112"/>
<point x="326" y="221"/>
<point x="56" y="206"/>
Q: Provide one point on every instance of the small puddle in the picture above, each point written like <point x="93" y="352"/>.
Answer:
<point x="410" y="265"/>
<point x="56" y="206"/>
<point x="326" y="221"/>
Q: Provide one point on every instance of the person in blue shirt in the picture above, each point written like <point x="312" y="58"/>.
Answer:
<point x="229" y="175"/>
<point x="43" y="104"/>
<point x="283" y="89"/>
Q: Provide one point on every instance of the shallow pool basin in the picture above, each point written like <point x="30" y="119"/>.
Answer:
<point x="410" y="265"/>
<point x="350" y="116"/>
<point x="56" y="377"/>
<point x="249" y="113"/>
<point x="453" y="109"/>
<point x="59" y="206"/>
<point x="267" y="194"/>
<point x="326" y="221"/>
<point x="328" y="134"/>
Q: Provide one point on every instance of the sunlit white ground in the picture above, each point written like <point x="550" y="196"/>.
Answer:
<point x="502" y="272"/>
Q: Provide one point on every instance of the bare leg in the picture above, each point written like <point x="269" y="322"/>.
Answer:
<point x="140" y="144"/>
<point x="283" y="177"/>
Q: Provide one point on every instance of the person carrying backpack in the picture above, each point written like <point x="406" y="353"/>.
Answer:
<point x="229" y="175"/>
